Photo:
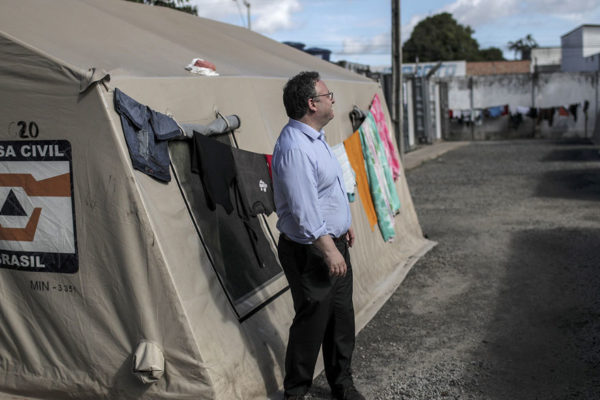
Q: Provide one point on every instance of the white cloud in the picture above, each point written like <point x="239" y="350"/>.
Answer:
<point x="476" y="13"/>
<point x="560" y="8"/>
<point x="275" y="16"/>
<point x="380" y="44"/>
<point x="479" y="12"/>
<point x="267" y="16"/>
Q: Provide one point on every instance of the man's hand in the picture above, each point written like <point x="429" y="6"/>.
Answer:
<point x="336" y="263"/>
<point x="350" y="237"/>
<point x="333" y="258"/>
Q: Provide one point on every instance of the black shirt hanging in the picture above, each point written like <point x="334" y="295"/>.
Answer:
<point x="213" y="161"/>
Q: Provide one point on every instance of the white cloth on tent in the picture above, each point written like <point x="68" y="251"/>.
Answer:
<point x="196" y="68"/>
<point x="349" y="175"/>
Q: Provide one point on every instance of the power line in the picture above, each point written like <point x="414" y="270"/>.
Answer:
<point x="239" y="11"/>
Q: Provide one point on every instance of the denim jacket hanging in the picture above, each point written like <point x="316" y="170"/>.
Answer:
<point x="146" y="133"/>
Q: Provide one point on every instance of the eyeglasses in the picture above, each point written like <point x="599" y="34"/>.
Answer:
<point x="330" y="95"/>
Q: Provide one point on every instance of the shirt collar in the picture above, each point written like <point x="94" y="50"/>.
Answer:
<point x="306" y="129"/>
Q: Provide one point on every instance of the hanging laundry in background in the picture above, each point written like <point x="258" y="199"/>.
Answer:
<point x="355" y="157"/>
<point x="521" y="110"/>
<point x="533" y="112"/>
<point x="348" y="173"/>
<point x="464" y="116"/>
<point x="563" y="112"/>
<point x="478" y="117"/>
<point x="494" y="112"/>
<point x="573" y="110"/>
<point x="383" y="190"/>
<point x="516" y="119"/>
<point x="546" y="114"/>
<point x="384" y="134"/>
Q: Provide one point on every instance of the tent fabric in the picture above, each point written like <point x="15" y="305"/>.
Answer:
<point x="148" y="362"/>
<point x="140" y="269"/>
<point x="151" y="41"/>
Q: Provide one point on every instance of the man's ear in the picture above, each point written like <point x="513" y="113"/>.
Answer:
<point x="311" y="105"/>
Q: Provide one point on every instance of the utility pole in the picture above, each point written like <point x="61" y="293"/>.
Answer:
<point x="397" y="116"/>
<point x="247" y="4"/>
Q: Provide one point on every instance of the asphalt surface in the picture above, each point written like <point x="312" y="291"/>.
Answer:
<point x="507" y="306"/>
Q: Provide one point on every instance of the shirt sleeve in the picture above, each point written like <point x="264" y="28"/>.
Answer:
<point x="296" y="177"/>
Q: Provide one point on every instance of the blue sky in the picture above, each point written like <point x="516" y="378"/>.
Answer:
<point x="360" y="30"/>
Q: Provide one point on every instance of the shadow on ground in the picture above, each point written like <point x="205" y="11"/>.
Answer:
<point x="582" y="184"/>
<point x="543" y="341"/>
<point x="573" y="141"/>
<point x="579" y="155"/>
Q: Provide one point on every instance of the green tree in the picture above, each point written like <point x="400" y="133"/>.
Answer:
<point x="180" y="5"/>
<point x="523" y="46"/>
<point x="491" y="54"/>
<point x="441" y="38"/>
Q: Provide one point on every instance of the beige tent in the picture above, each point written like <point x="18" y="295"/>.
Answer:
<point x="103" y="268"/>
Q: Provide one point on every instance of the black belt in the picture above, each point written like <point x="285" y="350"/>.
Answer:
<point x="341" y="239"/>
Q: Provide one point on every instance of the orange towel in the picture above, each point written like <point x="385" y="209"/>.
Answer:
<point x="355" y="156"/>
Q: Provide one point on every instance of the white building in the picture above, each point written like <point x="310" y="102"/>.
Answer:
<point x="581" y="49"/>
<point x="545" y="59"/>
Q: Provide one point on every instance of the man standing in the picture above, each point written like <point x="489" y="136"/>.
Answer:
<point x="314" y="221"/>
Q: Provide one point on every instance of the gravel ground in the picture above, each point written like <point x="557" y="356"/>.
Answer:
<point x="507" y="305"/>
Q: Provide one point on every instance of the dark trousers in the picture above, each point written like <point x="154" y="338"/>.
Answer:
<point x="324" y="316"/>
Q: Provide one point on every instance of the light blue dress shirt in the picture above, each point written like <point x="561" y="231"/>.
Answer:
<point x="308" y="185"/>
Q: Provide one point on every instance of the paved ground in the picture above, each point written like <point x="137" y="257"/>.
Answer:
<point x="507" y="306"/>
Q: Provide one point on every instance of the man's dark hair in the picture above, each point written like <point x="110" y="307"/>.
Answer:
<point x="297" y="91"/>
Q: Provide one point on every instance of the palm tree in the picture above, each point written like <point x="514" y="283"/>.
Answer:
<point x="523" y="46"/>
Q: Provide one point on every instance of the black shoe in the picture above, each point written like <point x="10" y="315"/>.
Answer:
<point x="347" y="393"/>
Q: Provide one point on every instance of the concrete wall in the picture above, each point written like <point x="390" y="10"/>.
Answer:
<point x="541" y="90"/>
<point x="447" y="69"/>
<point x="490" y="91"/>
